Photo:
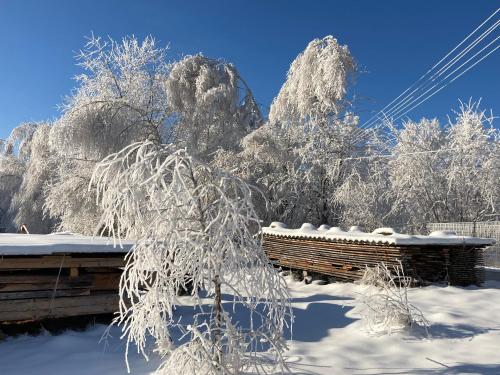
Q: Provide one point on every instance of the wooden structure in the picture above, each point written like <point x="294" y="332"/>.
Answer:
<point x="55" y="276"/>
<point x="344" y="255"/>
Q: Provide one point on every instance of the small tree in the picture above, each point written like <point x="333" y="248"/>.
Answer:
<point x="385" y="298"/>
<point x="193" y="230"/>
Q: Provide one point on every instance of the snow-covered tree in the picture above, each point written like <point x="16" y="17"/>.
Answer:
<point x="316" y="84"/>
<point x="14" y="153"/>
<point x="120" y="99"/>
<point x="11" y="175"/>
<point x="213" y="107"/>
<point x="418" y="171"/>
<point x="195" y="228"/>
<point x="294" y="158"/>
<point x="366" y="195"/>
<point x="129" y="93"/>
<point x="19" y="141"/>
<point x="473" y="172"/>
<point x="28" y="203"/>
<point x="450" y="173"/>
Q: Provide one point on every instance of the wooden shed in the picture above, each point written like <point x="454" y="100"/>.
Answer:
<point x="441" y="256"/>
<point x="58" y="275"/>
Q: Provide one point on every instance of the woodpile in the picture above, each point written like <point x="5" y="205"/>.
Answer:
<point x="347" y="260"/>
<point x="60" y="285"/>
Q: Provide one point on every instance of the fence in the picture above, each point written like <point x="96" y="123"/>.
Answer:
<point x="489" y="229"/>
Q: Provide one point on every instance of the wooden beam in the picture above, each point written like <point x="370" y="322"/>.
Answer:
<point x="43" y="294"/>
<point x="56" y="261"/>
<point x="36" y="309"/>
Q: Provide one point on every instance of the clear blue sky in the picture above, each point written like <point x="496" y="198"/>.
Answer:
<point x="394" y="42"/>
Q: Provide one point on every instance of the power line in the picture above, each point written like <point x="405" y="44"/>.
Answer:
<point x="402" y="101"/>
<point x="398" y="111"/>
<point x="385" y="109"/>
<point x="394" y="155"/>
<point x="456" y="77"/>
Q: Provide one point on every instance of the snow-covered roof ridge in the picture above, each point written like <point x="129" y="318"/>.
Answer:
<point x="45" y="244"/>
<point x="378" y="236"/>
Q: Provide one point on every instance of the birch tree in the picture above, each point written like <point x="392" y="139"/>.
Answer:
<point x="212" y="106"/>
<point x="120" y="99"/>
<point x="294" y="158"/>
<point x="194" y="227"/>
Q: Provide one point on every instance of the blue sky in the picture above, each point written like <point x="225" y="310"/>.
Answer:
<point x="393" y="41"/>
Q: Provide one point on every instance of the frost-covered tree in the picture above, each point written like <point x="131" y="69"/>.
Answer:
<point x="19" y="141"/>
<point x="473" y="172"/>
<point x="213" y="107"/>
<point x="128" y="93"/>
<point x="442" y="174"/>
<point x="195" y="228"/>
<point x="14" y="153"/>
<point x="294" y="158"/>
<point x="28" y="203"/>
<point x="11" y="175"/>
<point x="120" y="99"/>
<point x="417" y="171"/>
<point x="366" y="195"/>
<point x="316" y="84"/>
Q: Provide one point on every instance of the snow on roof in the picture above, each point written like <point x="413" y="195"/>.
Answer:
<point x="64" y="242"/>
<point x="378" y="236"/>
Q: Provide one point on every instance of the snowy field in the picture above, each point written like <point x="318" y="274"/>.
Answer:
<point x="328" y="338"/>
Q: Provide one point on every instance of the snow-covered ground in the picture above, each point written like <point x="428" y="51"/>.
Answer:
<point x="328" y="338"/>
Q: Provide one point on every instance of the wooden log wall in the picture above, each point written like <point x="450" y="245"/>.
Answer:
<point x="346" y="261"/>
<point x="55" y="286"/>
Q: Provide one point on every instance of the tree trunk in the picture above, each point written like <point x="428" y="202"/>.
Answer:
<point x="218" y="321"/>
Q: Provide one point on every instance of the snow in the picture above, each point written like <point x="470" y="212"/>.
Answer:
<point x="65" y="242"/>
<point x="379" y="236"/>
<point x="328" y="338"/>
<point x="75" y="353"/>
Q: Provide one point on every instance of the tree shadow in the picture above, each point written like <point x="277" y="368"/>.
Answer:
<point x="459" y="368"/>
<point x="320" y="297"/>
<point x="310" y="324"/>
<point x="314" y="322"/>
<point x="456" y="331"/>
<point x="439" y="331"/>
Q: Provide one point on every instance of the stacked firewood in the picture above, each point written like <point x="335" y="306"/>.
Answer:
<point x="347" y="261"/>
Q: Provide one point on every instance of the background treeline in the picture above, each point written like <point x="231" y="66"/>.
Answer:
<point x="311" y="159"/>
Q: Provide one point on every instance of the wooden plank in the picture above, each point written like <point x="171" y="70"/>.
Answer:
<point x="36" y="309"/>
<point x="35" y="278"/>
<point x="105" y="281"/>
<point x="99" y="281"/>
<point x="53" y="261"/>
<point x="94" y="282"/>
<point x="43" y="294"/>
<point x="73" y="272"/>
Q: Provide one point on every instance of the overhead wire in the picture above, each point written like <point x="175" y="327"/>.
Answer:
<point x="401" y="102"/>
